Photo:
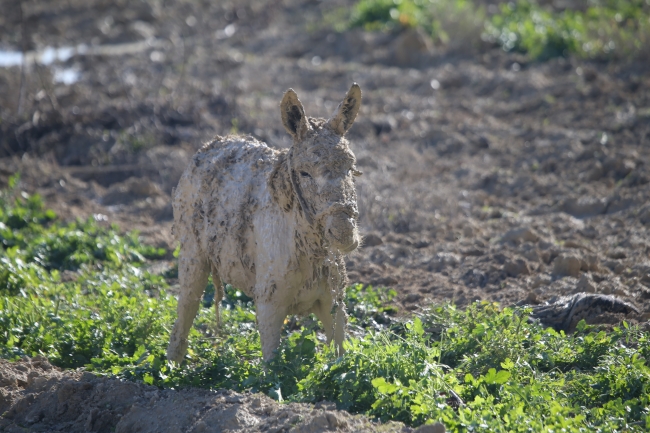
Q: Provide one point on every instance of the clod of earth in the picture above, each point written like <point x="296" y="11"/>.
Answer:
<point x="566" y="265"/>
<point x="516" y="267"/>
<point x="431" y="428"/>
<point x="275" y="224"/>
<point x="586" y="284"/>
<point x="523" y="234"/>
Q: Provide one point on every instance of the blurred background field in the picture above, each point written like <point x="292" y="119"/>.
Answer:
<point x="478" y="119"/>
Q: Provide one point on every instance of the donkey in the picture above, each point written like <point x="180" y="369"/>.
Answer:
<point x="276" y="224"/>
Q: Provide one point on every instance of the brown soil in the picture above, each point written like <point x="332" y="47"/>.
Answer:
<point x="37" y="397"/>
<point x="486" y="176"/>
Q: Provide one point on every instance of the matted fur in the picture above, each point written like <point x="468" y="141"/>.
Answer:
<point x="273" y="223"/>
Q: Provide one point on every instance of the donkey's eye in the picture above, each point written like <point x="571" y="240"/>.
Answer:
<point x="305" y="174"/>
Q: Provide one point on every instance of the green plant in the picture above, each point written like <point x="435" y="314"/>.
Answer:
<point x="615" y="28"/>
<point x="80" y="294"/>
<point x="447" y="21"/>
<point x="604" y="29"/>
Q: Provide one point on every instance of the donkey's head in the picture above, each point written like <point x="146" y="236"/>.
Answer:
<point x="321" y="168"/>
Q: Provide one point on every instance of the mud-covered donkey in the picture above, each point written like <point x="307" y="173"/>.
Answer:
<point x="273" y="223"/>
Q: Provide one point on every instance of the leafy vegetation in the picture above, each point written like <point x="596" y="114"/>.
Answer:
<point x="80" y="294"/>
<point x="613" y="28"/>
<point x="598" y="29"/>
<point x="441" y="19"/>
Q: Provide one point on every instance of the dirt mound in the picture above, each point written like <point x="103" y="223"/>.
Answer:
<point x="37" y="397"/>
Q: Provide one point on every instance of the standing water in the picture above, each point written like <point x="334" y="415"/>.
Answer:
<point x="49" y="55"/>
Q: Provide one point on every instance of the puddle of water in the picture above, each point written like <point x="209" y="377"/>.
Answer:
<point x="46" y="57"/>
<point x="66" y="76"/>
<point x="49" y="55"/>
<point x="10" y="58"/>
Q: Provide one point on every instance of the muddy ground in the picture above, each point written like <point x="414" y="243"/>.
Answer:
<point x="486" y="176"/>
<point x="37" y="397"/>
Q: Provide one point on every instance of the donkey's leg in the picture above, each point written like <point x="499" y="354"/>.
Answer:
<point x="193" y="272"/>
<point x="340" y="322"/>
<point x="269" y="322"/>
<point x="323" y="311"/>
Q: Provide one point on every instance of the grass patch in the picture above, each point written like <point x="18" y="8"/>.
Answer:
<point x="80" y="295"/>
<point x="607" y="29"/>
<point x="449" y="22"/>
<point x="601" y="29"/>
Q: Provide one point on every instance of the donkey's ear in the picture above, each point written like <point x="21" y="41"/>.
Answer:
<point x="293" y="115"/>
<point x="346" y="112"/>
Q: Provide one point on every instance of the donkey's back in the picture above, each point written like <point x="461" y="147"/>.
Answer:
<point x="216" y="201"/>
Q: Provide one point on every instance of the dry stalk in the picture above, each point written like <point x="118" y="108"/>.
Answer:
<point x="181" y="78"/>
<point x="48" y="91"/>
<point x="23" y="37"/>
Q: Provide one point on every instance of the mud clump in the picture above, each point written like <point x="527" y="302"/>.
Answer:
<point x="523" y="234"/>
<point x="566" y="265"/>
<point x="516" y="267"/>
<point x="586" y="284"/>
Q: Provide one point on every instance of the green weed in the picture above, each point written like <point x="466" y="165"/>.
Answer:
<point x="79" y="294"/>
<point x="608" y="29"/>
<point x="603" y="29"/>
<point x="446" y="21"/>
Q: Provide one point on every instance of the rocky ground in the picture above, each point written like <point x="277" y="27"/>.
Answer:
<point x="486" y="176"/>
